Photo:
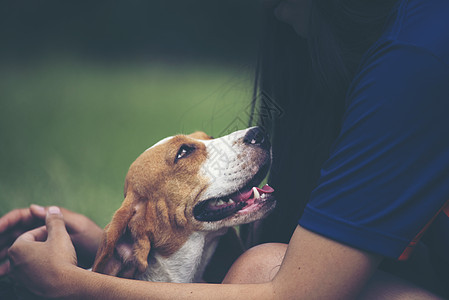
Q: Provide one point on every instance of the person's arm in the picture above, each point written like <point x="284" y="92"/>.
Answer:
<point x="314" y="267"/>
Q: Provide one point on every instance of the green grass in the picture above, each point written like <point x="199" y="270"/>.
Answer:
<point x="70" y="129"/>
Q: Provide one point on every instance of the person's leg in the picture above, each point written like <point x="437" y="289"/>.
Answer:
<point x="258" y="264"/>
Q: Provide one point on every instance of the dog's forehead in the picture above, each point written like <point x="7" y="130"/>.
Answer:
<point x="160" y="142"/>
<point x="177" y="139"/>
<point x="226" y="140"/>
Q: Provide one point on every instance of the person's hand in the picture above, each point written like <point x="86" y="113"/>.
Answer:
<point x="85" y="234"/>
<point x="41" y="259"/>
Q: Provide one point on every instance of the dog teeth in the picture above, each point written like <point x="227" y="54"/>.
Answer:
<point x="256" y="193"/>
<point x="220" y="202"/>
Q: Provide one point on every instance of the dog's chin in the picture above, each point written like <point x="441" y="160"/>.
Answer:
<point x="243" y="206"/>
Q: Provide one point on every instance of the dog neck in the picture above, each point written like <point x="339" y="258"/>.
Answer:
<point x="185" y="265"/>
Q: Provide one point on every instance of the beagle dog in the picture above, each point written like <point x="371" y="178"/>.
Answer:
<point x="181" y="195"/>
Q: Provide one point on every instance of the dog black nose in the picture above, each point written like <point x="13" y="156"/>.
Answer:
<point x="256" y="136"/>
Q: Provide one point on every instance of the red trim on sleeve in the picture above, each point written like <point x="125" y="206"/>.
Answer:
<point x="408" y="251"/>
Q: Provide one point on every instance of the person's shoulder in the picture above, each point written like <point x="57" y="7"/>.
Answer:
<point x="424" y="24"/>
<point x="409" y="73"/>
<point x="417" y="31"/>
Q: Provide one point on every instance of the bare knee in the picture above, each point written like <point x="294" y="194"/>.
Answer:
<point x="258" y="264"/>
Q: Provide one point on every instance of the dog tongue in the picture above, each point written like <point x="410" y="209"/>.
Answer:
<point x="266" y="189"/>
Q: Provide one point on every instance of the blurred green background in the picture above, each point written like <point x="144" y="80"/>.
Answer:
<point x="86" y="86"/>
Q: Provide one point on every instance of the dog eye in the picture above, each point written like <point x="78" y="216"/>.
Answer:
<point x="184" y="151"/>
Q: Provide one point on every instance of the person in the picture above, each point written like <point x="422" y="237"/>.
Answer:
<point x="363" y="39"/>
<point x="380" y="70"/>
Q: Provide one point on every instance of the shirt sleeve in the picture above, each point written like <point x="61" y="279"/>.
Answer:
<point x="388" y="172"/>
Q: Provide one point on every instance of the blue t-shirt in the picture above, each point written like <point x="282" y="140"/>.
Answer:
<point x="386" y="182"/>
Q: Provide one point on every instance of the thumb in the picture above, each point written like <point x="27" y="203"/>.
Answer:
<point x="55" y="224"/>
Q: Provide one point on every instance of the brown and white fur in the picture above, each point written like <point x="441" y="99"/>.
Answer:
<point x="178" y="204"/>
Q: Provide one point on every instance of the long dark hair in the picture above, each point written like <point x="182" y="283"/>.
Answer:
<point x="299" y="96"/>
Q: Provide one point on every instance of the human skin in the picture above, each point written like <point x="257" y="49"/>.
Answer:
<point x="46" y="265"/>
<point x="84" y="233"/>
<point x="43" y="260"/>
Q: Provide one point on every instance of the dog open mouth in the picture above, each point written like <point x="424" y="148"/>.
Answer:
<point x="245" y="201"/>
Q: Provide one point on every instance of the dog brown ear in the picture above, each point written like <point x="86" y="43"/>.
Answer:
<point x="125" y="246"/>
<point x="200" y="135"/>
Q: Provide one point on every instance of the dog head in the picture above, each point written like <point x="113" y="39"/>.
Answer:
<point x="183" y="184"/>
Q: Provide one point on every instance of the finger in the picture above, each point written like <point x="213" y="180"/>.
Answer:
<point x="15" y="217"/>
<point x="4" y="268"/>
<point x="8" y="238"/>
<point x="55" y="225"/>
<point x="36" y="235"/>
<point x="72" y="220"/>
<point x="38" y="211"/>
